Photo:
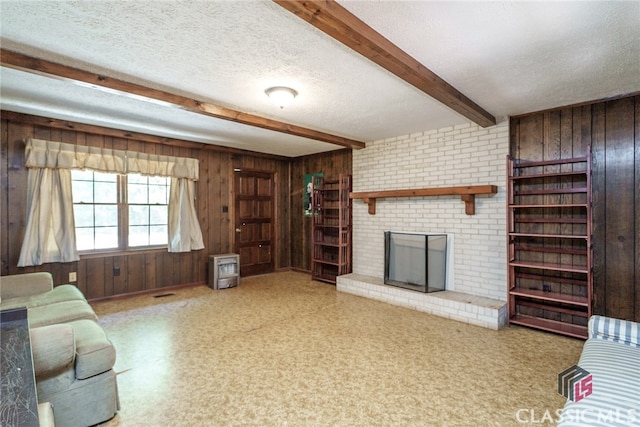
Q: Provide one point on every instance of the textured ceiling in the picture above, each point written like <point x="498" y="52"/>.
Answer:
<point x="508" y="57"/>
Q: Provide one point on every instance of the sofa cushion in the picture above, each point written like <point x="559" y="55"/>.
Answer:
<point x="615" y="397"/>
<point x="60" y="312"/>
<point x="53" y="349"/>
<point x="58" y="294"/>
<point x="95" y="354"/>
<point x="21" y="285"/>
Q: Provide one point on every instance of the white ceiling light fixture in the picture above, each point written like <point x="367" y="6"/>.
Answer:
<point x="281" y="95"/>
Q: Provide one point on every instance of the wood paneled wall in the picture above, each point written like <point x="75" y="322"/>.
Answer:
<point x="612" y="131"/>
<point x="147" y="270"/>
<point x="331" y="165"/>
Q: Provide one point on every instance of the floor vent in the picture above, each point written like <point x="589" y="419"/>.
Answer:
<point x="163" y="295"/>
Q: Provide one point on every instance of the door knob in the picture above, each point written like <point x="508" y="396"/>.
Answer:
<point x="238" y="230"/>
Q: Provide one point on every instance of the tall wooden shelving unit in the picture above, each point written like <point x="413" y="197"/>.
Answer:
<point x="549" y="244"/>
<point x="331" y="228"/>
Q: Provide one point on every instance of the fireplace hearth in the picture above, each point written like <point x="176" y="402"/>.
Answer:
<point x="415" y="261"/>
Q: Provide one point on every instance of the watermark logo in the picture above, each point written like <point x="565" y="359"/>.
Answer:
<point x="575" y="383"/>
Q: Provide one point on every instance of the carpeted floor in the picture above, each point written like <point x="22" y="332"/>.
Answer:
<point x="282" y="350"/>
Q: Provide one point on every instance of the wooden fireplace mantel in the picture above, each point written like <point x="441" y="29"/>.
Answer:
<point x="467" y="195"/>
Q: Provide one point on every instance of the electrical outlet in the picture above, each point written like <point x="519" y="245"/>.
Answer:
<point x="73" y="277"/>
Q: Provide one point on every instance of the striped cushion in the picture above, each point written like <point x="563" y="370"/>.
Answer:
<point x="612" y="356"/>
<point x="616" y="330"/>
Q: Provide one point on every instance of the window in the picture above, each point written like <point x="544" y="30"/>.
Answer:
<point x="119" y="212"/>
<point x="95" y="208"/>
<point x="101" y="202"/>
<point x="148" y="210"/>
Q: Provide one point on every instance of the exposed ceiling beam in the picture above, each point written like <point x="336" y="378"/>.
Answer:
<point x="124" y="134"/>
<point x="336" y="21"/>
<point x="30" y="64"/>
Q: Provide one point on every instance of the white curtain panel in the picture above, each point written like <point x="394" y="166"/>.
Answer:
<point x="184" y="229"/>
<point x="49" y="218"/>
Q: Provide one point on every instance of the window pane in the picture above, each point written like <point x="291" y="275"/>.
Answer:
<point x="83" y="215"/>
<point x="106" y="192"/>
<point x="97" y="211"/>
<point x="148" y="198"/>
<point x="138" y="193"/>
<point x="105" y="177"/>
<point x="106" y="237"/>
<point x="82" y="191"/>
<point x="139" y="215"/>
<point x="135" y="178"/>
<point x="158" y="180"/>
<point x="84" y="239"/>
<point x="96" y="224"/>
<point x="138" y="235"/>
<point x="158" y="235"/>
<point x="158" y="194"/>
<point x="82" y="175"/>
<point x="106" y="215"/>
<point x="158" y="215"/>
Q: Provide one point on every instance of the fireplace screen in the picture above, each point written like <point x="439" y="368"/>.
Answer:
<point x="415" y="261"/>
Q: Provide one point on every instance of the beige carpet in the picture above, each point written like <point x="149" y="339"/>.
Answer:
<point x="282" y="350"/>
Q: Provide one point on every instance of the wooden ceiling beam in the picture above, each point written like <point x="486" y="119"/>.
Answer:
<point x="30" y="64"/>
<point x="336" y="21"/>
<point x="49" y="122"/>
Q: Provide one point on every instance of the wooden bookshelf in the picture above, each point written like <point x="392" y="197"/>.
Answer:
<point x="549" y="244"/>
<point x="331" y="228"/>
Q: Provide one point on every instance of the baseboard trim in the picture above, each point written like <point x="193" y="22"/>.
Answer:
<point x="148" y="292"/>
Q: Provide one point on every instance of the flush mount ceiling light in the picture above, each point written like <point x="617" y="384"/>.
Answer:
<point x="280" y="95"/>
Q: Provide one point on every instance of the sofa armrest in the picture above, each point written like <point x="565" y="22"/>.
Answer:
<point x="24" y="285"/>
<point x="53" y="348"/>
<point x="615" y="330"/>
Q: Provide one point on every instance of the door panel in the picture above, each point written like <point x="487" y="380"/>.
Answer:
<point x="264" y="253"/>
<point x="254" y="221"/>
<point x="264" y="186"/>
<point x="245" y="208"/>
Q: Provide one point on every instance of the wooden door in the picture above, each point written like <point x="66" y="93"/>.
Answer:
<point x="254" y="227"/>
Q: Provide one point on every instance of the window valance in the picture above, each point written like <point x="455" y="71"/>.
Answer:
<point x="59" y="155"/>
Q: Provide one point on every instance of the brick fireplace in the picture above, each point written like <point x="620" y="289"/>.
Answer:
<point x="455" y="156"/>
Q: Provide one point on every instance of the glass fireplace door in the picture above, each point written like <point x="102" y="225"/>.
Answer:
<point x="415" y="261"/>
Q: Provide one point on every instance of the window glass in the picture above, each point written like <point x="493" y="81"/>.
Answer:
<point x="106" y="238"/>
<point x="83" y="215"/>
<point x="98" y="214"/>
<point x="139" y="235"/>
<point x="105" y="192"/>
<point x="158" y="194"/>
<point x="85" y="239"/>
<point x="158" y="215"/>
<point x="148" y="210"/>
<point x="106" y="215"/>
<point x="138" y="193"/>
<point x="158" y="235"/>
<point x="135" y="178"/>
<point x="95" y="209"/>
<point x="139" y="215"/>
<point x="82" y="191"/>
